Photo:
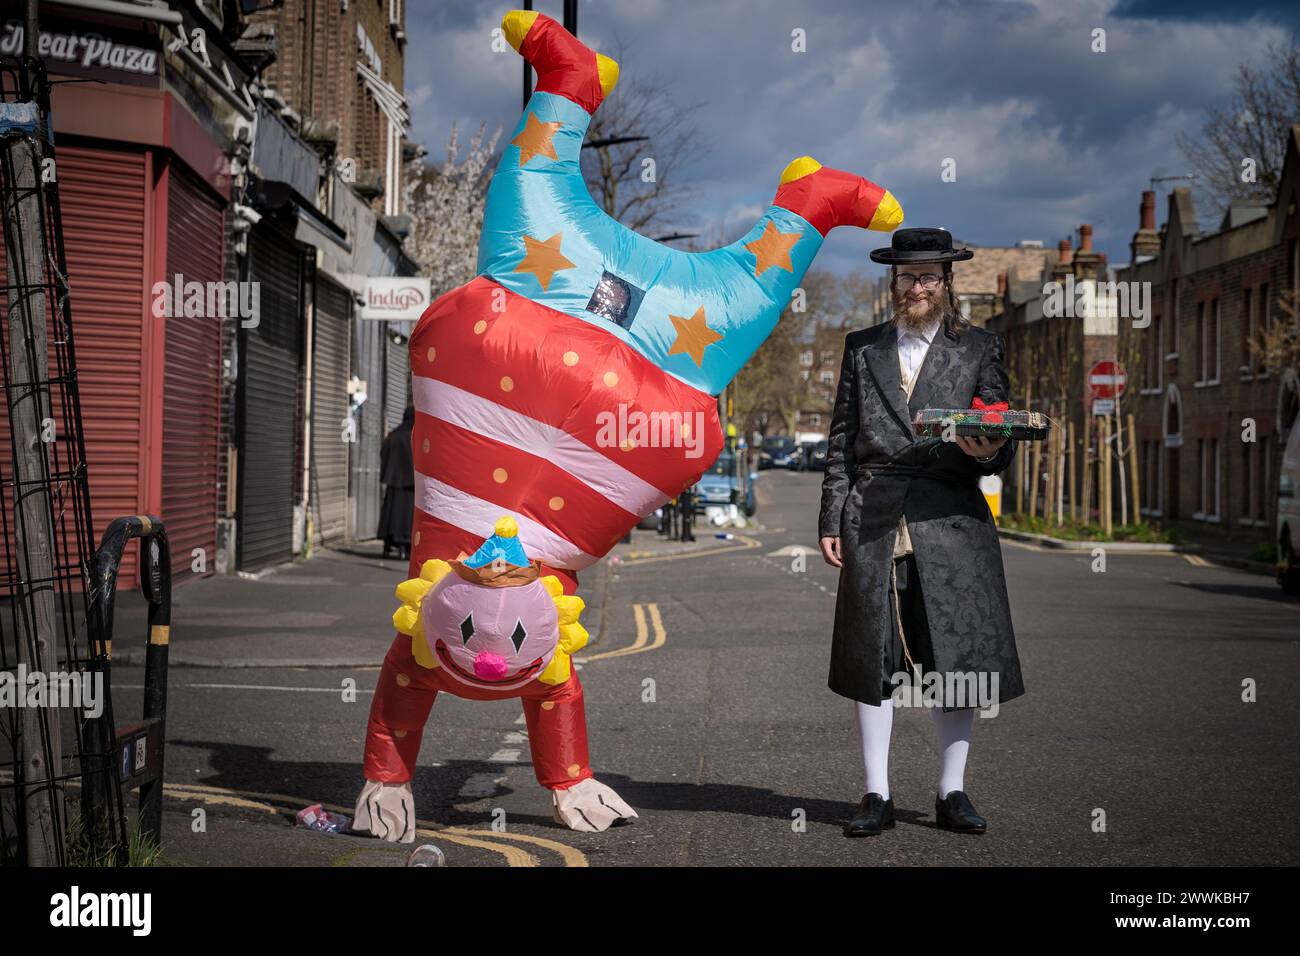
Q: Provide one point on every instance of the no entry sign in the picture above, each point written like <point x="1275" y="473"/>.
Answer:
<point x="1107" y="379"/>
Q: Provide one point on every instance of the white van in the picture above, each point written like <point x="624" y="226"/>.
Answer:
<point x="1288" y="515"/>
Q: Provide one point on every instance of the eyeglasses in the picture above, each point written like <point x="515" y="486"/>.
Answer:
<point x="929" y="280"/>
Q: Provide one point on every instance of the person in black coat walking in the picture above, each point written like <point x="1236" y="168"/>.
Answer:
<point x="397" y="473"/>
<point x="921" y="577"/>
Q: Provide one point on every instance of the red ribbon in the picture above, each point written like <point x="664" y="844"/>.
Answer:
<point x="990" y="409"/>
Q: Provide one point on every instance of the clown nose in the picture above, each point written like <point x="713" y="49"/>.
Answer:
<point x="489" y="666"/>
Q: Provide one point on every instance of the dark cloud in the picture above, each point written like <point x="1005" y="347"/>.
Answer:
<point x="1278" y="11"/>
<point x="1045" y="133"/>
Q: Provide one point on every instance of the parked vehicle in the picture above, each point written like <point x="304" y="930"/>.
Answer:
<point x="817" y="457"/>
<point x="1288" y="516"/>
<point x="776" y="452"/>
<point x="720" y="485"/>
<point x="651" y="521"/>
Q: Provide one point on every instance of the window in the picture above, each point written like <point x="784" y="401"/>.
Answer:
<point x="1264" y="322"/>
<point x="826" y="377"/>
<point x="1247" y="333"/>
<point x="1213" y="322"/>
<point x="1200" y="343"/>
<point x="1247" y="484"/>
<point x="1153" y="357"/>
<point x="1151" y="484"/>
<point x="1208" y="480"/>
<point x="828" y="356"/>
<point x="805" y="374"/>
<point x="1174" y="314"/>
<point x="806" y="358"/>
<point x="814" y="421"/>
<point x="1263" y="476"/>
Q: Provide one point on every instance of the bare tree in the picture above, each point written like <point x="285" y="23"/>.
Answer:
<point x="446" y="207"/>
<point x="1254" y="127"/>
<point x="771" y="389"/>
<point x="1276" y="346"/>
<point x="637" y="183"/>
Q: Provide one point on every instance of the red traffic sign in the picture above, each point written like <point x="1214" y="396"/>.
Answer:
<point x="1107" y="379"/>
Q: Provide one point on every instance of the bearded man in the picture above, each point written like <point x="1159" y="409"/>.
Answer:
<point x="921" y="579"/>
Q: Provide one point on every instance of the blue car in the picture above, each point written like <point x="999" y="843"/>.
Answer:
<point x="720" y="485"/>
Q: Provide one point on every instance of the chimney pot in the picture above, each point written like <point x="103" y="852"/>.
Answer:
<point x="1002" y="283"/>
<point x="1148" y="210"/>
<point x="1085" y="238"/>
<point x="1064" y="247"/>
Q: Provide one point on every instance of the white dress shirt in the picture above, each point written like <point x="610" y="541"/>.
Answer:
<point x="912" y="347"/>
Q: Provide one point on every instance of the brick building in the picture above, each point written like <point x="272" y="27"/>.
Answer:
<point x="1055" y="329"/>
<point x="1199" y="389"/>
<point x="340" y="69"/>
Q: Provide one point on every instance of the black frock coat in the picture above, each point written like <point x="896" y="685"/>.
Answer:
<point x="878" y="469"/>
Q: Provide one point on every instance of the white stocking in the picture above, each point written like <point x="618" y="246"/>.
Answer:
<point x="954" y="729"/>
<point x="875" y="724"/>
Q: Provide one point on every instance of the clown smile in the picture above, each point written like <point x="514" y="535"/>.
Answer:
<point x="520" y="676"/>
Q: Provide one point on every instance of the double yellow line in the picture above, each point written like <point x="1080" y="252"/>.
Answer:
<point x="278" y="804"/>
<point x="642" y="635"/>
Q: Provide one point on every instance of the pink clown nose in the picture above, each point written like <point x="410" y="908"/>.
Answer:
<point x="489" y="666"/>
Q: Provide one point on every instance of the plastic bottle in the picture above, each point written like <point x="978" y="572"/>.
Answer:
<point x="318" y="818"/>
<point x="427" y="855"/>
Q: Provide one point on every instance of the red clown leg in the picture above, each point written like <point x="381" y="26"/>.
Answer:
<point x="403" y="698"/>
<point x="557" y="734"/>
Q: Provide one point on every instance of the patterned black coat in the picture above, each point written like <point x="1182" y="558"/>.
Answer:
<point x="936" y="486"/>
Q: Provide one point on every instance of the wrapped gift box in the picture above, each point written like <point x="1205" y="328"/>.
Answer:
<point x="974" y="422"/>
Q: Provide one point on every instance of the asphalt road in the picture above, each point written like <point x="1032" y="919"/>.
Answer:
<point x="715" y="722"/>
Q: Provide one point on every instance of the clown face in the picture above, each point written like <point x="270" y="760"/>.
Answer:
<point x="491" y="628"/>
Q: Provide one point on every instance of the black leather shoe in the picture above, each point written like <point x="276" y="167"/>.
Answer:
<point x="955" y="812"/>
<point x="875" y="813"/>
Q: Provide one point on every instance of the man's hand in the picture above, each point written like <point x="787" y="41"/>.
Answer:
<point x="831" y="551"/>
<point x="980" y="447"/>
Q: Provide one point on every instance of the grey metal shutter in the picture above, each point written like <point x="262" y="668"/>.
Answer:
<point x="397" y="379"/>
<point x="270" y="365"/>
<point x="192" y="379"/>
<point x="368" y="365"/>
<point x="331" y="348"/>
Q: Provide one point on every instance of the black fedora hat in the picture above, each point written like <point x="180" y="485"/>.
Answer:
<point x="920" y="245"/>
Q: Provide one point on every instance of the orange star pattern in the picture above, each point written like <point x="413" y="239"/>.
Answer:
<point x="543" y="259"/>
<point x="772" y="248"/>
<point x="535" y="139"/>
<point x="693" y="336"/>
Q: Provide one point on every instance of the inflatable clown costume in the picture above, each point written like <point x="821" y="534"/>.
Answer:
<point x="568" y="389"/>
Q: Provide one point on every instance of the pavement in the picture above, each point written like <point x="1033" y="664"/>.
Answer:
<point x="1135" y="743"/>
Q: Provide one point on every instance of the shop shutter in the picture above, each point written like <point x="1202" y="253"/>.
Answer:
<point x="397" y="380"/>
<point x="368" y="365"/>
<point x="270" y="364"/>
<point x="102" y="195"/>
<point x="331" y="348"/>
<point x="192" y="379"/>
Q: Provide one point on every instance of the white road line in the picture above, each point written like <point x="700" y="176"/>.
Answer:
<point x="296" y="690"/>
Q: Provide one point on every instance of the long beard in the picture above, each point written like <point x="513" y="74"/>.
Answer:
<point x="937" y="309"/>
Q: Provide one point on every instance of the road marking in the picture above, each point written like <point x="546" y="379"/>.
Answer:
<point x="642" y="635"/>
<point x="1197" y="560"/>
<point x="267" y="802"/>
<point x="747" y="543"/>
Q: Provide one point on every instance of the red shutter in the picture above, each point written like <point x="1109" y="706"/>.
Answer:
<point x="102" y="195"/>
<point x="192" y="379"/>
<point x="102" y="199"/>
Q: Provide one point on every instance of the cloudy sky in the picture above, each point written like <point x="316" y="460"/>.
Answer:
<point x="1045" y="133"/>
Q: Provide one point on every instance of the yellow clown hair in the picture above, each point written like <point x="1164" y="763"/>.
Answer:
<point x="412" y="592"/>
